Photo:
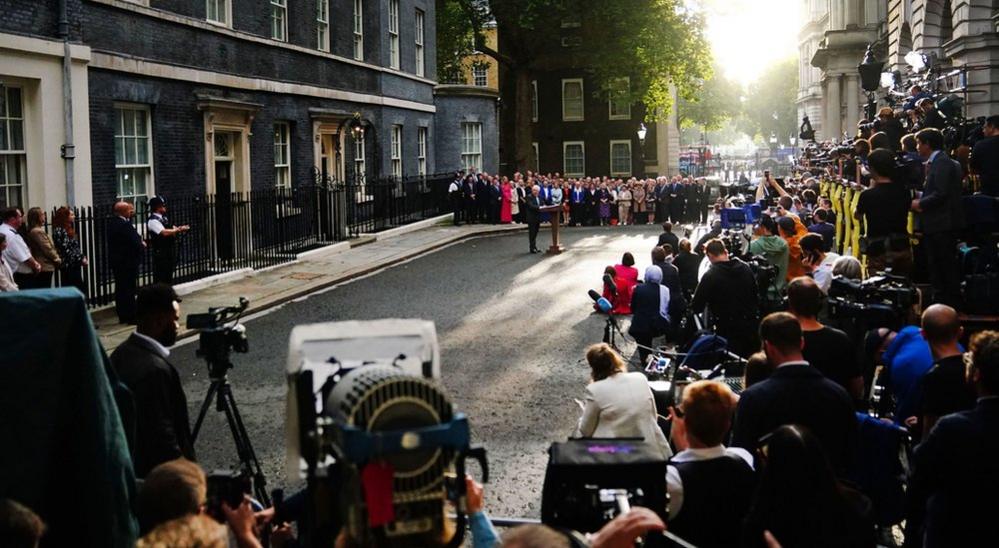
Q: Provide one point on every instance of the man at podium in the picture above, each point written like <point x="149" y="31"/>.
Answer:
<point x="532" y="214"/>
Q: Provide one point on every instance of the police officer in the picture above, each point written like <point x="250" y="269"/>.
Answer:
<point x="162" y="240"/>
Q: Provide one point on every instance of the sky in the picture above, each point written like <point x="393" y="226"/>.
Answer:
<point x="746" y="36"/>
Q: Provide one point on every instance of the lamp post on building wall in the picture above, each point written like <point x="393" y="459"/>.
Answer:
<point x="870" y="80"/>
<point x="642" y="132"/>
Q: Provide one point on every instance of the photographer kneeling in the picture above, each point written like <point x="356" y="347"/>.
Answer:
<point x="728" y="290"/>
<point x="162" y="426"/>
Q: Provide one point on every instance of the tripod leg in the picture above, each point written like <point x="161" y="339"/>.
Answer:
<point x="244" y="448"/>
<point x="212" y="390"/>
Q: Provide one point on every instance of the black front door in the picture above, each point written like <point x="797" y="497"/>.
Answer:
<point x="223" y="208"/>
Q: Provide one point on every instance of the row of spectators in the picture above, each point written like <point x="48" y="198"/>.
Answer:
<point x="587" y="201"/>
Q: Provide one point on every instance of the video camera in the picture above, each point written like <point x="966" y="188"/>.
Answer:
<point x="883" y="299"/>
<point x="378" y="441"/>
<point x="228" y="486"/>
<point x="216" y="339"/>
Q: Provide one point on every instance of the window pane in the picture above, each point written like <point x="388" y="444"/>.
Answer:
<point x="4" y="145"/>
<point x="140" y="123"/>
<point x="129" y="122"/>
<point x="125" y="183"/>
<point x="119" y="150"/>
<point x="139" y="179"/>
<point x="14" y="103"/>
<point x="3" y="100"/>
<point x="142" y="150"/>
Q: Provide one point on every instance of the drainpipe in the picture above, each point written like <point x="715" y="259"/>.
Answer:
<point x="68" y="149"/>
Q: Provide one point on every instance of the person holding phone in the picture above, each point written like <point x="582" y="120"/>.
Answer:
<point x="769" y="189"/>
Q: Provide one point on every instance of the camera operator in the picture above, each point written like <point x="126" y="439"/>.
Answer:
<point x="686" y="264"/>
<point x="710" y="486"/>
<point x="791" y="230"/>
<point x="662" y="256"/>
<point x="827" y="349"/>
<point x="769" y="189"/>
<point x="885" y="208"/>
<point x="930" y="117"/>
<point x="955" y="469"/>
<point x="162" y="426"/>
<point x="728" y="290"/>
<point x="985" y="158"/>
<point x="915" y="94"/>
<point x="892" y="127"/>
<point x="941" y="215"/>
<point x="773" y="248"/>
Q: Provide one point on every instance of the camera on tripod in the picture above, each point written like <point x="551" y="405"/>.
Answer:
<point x="884" y="297"/>
<point x="216" y="339"/>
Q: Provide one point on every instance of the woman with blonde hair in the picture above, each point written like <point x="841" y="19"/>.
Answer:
<point x="618" y="404"/>
<point x="42" y="250"/>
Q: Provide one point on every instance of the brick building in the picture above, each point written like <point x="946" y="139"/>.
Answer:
<point x="203" y="96"/>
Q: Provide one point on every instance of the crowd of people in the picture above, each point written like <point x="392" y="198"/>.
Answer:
<point x="478" y="197"/>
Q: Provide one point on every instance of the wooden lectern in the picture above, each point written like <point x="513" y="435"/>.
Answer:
<point x="556" y="212"/>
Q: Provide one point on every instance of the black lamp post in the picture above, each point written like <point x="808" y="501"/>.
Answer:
<point x="870" y="80"/>
<point x="642" y="132"/>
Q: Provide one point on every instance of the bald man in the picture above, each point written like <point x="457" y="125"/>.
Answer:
<point x="125" y="250"/>
<point x="945" y="388"/>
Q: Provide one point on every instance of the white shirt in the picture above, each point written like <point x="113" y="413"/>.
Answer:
<point x="823" y="274"/>
<point x="163" y="351"/>
<point x="155" y="223"/>
<point x="17" y="253"/>
<point x="6" y="278"/>
<point x="674" y="485"/>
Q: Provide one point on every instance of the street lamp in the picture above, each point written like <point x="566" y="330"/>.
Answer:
<point x="642" y="132"/>
<point x="870" y="80"/>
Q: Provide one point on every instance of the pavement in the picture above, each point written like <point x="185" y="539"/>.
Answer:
<point x="313" y="271"/>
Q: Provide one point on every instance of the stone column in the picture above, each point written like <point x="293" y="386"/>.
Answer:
<point x="852" y="101"/>
<point x="833" y="118"/>
<point x="852" y="13"/>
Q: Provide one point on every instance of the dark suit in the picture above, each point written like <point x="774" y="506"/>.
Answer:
<point x="676" y="202"/>
<point x="955" y="474"/>
<point x="799" y="394"/>
<point x="532" y="215"/>
<point x="671" y="279"/>
<point x="687" y="265"/>
<point x="646" y="321"/>
<point x="941" y="217"/>
<point x="125" y="252"/>
<point x="162" y="427"/>
<point x="669" y="238"/>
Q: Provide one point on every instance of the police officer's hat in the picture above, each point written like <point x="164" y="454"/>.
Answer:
<point x="156" y="201"/>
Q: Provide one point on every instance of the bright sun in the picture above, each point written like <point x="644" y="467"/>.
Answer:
<point x="746" y="36"/>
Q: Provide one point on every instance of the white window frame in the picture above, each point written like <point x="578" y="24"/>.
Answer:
<point x="420" y="31"/>
<point x="612" y="172"/>
<point x="359" y="30"/>
<point x="480" y="70"/>
<point x="471" y="145"/>
<point x="582" y="101"/>
<point x="360" y="162"/>
<point x="19" y="155"/>
<point x="213" y="6"/>
<point x="279" y="20"/>
<point x="534" y="100"/>
<point x="119" y="133"/>
<point x="393" y="30"/>
<point x="565" y="168"/>
<point x="396" y="151"/>
<point x="282" y="155"/>
<point x="421" y="151"/>
<point x="323" y="25"/>
<point x="610" y="102"/>
<point x="537" y="157"/>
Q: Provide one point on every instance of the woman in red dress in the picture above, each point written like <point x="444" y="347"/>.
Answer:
<point x="506" y="214"/>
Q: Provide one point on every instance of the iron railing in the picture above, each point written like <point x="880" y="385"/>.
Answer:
<point x="262" y="228"/>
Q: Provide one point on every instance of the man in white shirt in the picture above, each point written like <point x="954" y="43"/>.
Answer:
<point x="710" y="486"/>
<point x="17" y="255"/>
<point x="163" y="240"/>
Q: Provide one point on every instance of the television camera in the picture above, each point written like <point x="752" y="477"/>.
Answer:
<point x="882" y="300"/>
<point x="380" y="445"/>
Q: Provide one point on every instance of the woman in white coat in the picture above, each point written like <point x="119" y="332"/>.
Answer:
<point x="618" y="404"/>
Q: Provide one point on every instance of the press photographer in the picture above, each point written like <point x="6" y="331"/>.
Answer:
<point x="728" y="290"/>
<point x="884" y="208"/>
<point x="985" y="158"/>
<point x="162" y="426"/>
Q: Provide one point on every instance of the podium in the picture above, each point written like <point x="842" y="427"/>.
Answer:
<point x="556" y="213"/>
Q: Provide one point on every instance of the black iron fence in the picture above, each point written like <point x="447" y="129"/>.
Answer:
<point x="262" y="228"/>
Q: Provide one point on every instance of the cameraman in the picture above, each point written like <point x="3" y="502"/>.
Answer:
<point x="769" y="189"/>
<point x="892" y="127"/>
<point x="985" y="158"/>
<point x="162" y="426"/>
<point x="885" y="208"/>
<point x="769" y="245"/>
<point x="728" y="290"/>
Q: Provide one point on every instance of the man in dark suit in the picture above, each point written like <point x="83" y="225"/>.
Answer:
<point x="941" y="216"/>
<point x="955" y="469"/>
<point x="687" y="264"/>
<point x="676" y="198"/>
<point x="648" y="319"/>
<point x="481" y="197"/>
<point x="162" y="427"/>
<point x="667" y="236"/>
<point x="795" y="393"/>
<point x="670" y="279"/>
<point x="468" y="199"/>
<point x="125" y="249"/>
<point x="532" y="215"/>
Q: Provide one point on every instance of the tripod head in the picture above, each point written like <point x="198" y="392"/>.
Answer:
<point x="216" y="339"/>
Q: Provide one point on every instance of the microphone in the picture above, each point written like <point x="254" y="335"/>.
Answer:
<point x="603" y="304"/>
<point x="609" y="282"/>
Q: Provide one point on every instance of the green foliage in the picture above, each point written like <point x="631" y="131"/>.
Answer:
<point x="774" y="92"/>
<point x="454" y="40"/>
<point x="717" y="102"/>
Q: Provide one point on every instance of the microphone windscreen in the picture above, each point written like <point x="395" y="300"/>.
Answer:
<point x="594" y="295"/>
<point x="604" y="305"/>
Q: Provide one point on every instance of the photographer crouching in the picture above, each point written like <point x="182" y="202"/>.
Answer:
<point x="728" y="290"/>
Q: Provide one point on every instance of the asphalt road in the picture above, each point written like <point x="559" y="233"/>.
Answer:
<point x="512" y="327"/>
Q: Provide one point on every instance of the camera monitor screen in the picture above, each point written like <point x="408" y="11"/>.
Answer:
<point x="733" y="218"/>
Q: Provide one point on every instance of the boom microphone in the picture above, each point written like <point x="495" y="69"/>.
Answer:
<point x="603" y="304"/>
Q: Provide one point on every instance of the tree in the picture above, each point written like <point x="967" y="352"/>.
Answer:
<point x="455" y="41"/>
<point x="769" y="108"/>
<point x="657" y="44"/>
<point x="717" y="102"/>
